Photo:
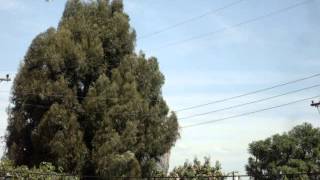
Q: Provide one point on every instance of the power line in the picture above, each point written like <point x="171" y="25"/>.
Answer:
<point x="75" y="96"/>
<point x="236" y="25"/>
<point x="249" y="93"/>
<point x="136" y="113"/>
<point x="180" y="110"/>
<point x="133" y="113"/>
<point x="248" y="103"/>
<point x="214" y="11"/>
<point x="97" y="98"/>
<point x="248" y="113"/>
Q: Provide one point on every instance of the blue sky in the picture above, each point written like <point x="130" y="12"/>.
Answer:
<point x="272" y="50"/>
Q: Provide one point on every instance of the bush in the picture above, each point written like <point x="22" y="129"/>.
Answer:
<point x="44" y="171"/>
<point x="198" y="171"/>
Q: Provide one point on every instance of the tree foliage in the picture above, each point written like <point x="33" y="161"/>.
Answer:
<point x="197" y="170"/>
<point x="85" y="101"/>
<point x="44" y="171"/>
<point x="297" y="151"/>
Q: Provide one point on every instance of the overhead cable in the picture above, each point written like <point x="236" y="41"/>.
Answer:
<point x="249" y="93"/>
<point x="247" y="113"/>
<point x="249" y="103"/>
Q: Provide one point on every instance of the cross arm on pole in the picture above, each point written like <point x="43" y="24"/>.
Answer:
<point x="7" y="78"/>
<point x="315" y="104"/>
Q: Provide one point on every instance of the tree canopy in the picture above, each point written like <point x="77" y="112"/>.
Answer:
<point x="297" y="151"/>
<point x="198" y="171"/>
<point x="85" y="101"/>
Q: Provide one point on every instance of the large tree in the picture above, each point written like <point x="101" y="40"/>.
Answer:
<point x="295" y="152"/>
<point x="85" y="101"/>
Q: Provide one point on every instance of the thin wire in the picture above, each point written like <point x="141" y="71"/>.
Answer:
<point x="248" y="103"/>
<point x="214" y="11"/>
<point x="61" y="95"/>
<point x="134" y="113"/>
<point x="183" y="109"/>
<point x="249" y="93"/>
<point x="194" y="115"/>
<point x="188" y="108"/>
<point x="248" y="113"/>
<point x="235" y="25"/>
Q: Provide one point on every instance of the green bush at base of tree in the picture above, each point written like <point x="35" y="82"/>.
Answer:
<point x="198" y="171"/>
<point x="45" y="171"/>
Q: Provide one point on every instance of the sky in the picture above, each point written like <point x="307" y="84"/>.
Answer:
<point x="239" y="49"/>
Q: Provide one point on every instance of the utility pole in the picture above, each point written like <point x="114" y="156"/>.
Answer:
<point x="7" y="79"/>
<point x="233" y="175"/>
<point x="316" y="104"/>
